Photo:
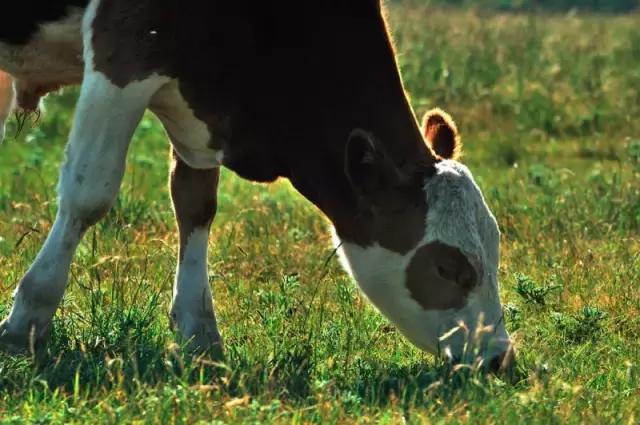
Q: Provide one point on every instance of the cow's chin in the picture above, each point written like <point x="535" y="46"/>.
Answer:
<point x="29" y="96"/>
<point x="28" y="104"/>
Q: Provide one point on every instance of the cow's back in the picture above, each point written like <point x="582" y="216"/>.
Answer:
<point x="270" y="71"/>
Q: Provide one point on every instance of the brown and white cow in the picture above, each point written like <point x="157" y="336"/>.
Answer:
<point x="308" y="91"/>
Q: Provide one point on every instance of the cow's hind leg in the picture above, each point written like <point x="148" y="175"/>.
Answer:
<point x="106" y="117"/>
<point x="193" y="193"/>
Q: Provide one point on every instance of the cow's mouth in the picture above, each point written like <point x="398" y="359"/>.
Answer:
<point x="28" y="95"/>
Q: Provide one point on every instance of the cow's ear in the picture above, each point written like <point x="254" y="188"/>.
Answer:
<point x="441" y="133"/>
<point x="368" y="168"/>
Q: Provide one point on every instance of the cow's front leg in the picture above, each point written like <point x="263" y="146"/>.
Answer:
<point x="106" y="117"/>
<point x="194" y="197"/>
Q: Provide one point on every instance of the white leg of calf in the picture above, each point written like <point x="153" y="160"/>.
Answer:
<point x="106" y="118"/>
<point x="7" y="98"/>
<point x="192" y="307"/>
<point x="194" y="197"/>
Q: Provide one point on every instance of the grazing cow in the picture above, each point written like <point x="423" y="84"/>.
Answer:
<point x="308" y="91"/>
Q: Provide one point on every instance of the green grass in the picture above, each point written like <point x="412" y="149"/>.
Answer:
<point x="549" y="111"/>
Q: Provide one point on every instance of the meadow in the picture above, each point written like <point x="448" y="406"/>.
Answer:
<point x="548" y="107"/>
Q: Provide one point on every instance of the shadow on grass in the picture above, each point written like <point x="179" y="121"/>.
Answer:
<point x="137" y="353"/>
<point x="289" y="378"/>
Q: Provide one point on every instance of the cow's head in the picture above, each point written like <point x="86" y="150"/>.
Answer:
<point x="429" y="259"/>
<point x="21" y="96"/>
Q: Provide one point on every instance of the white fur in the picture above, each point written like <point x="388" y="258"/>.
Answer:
<point x="106" y="117"/>
<point x="380" y="273"/>
<point x="457" y="216"/>
<point x="87" y="33"/>
<point x="190" y="136"/>
<point x="192" y="308"/>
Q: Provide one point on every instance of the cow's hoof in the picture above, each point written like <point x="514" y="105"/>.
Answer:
<point x="30" y="341"/>
<point x="199" y="335"/>
<point x="207" y="344"/>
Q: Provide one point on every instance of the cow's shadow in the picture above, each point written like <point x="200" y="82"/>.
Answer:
<point x="290" y="376"/>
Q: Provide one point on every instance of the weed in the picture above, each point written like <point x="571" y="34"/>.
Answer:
<point x="580" y="327"/>
<point x="531" y="292"/>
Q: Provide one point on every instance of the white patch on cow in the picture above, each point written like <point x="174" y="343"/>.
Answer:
<point x="189" y="135"/>
<point x="457" y="216"/>
<point x="192" y="307"/>
<point x="7" y="98"/>
<point x="87" y="33"/>
<point x="380" y="274"/>
<point x="90" y="179"/>
<point x="106" y="117"/>
<point x="191" y="276"/>
<point x="52" y="56"/>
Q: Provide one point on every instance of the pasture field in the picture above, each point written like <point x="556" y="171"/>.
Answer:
<point x="549" y="109"/>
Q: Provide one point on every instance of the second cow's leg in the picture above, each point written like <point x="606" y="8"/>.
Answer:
<point x="194" y="197"/>
<point x="7" y="96"/>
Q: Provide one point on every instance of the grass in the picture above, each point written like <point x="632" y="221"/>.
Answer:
<point x="548" y="108"/>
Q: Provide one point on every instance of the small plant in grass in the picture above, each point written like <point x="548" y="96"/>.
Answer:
<point x="634" y="151"/>
<point x="533" y="293"/>
<point x="513" y="315"/>
<point x="580" y="327"/>
<point x="543" y="176"/>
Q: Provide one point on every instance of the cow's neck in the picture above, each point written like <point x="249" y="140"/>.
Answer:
<point x="280" y="96"/>
<point x="379" y="106"/>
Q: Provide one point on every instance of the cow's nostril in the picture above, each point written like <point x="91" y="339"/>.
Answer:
<point x="496" y="363"/>
<point x="502" y="361"/>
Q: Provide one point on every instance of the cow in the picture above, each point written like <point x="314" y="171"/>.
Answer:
<point x="307" y="91"/>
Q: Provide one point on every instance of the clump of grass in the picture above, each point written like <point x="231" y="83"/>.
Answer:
<point x="582" y="326"/>
<point x="634" y="151"/>
<point x="532" y="292"/>
<point x="513" y="315"/>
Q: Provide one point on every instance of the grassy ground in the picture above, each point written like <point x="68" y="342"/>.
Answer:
<point x="549" y="111"/>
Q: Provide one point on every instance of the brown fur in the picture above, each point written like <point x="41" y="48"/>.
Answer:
<point x="441" y="133"/>
<point x="293" y="79"/>
<point x="440" y="277"/>
<point x="6" y="91"/>
<point x="391" y="204"/>
<point x="6" y="99"/>
<point x="194" y="197"/>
